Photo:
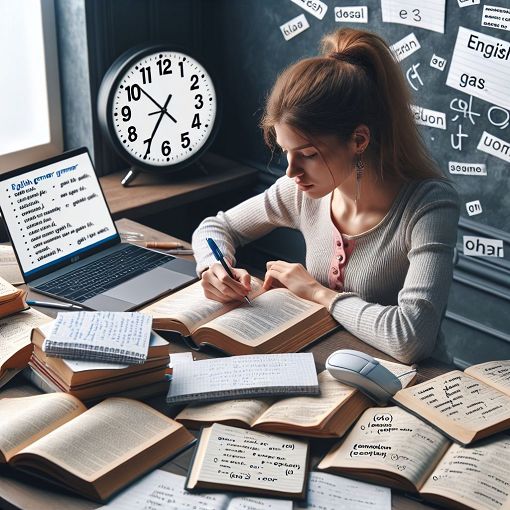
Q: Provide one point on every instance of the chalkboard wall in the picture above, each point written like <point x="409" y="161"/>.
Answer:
<point x="249" y="50"/>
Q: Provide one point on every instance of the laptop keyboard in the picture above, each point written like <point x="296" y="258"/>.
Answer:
<point x="103" y="274"/>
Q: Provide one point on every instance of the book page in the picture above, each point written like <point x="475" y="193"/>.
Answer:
<point x="6" y="289"/>
<point x="459" y="399"/>
<point x="103" y="437"/>
<point x="477" y="476"/>
<point x="243" y="375"/>
<point x="9" y="268"/>
<point x="243" y="458"/>
<point x="308" y="411"/>
<point x="392" y="440"/>
<point x="15" y="332"/>
<point x="493" y="373"/>
<point x="245" y="410"/>
<point x="270" y="313"/>
<point x="101" y="335"/>
<point x="253" y="503"/>
<point x="330" y="492"/>
<point x="27" y="418"/>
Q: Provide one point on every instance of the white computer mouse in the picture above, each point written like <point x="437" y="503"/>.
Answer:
<point x="365" y="373"/>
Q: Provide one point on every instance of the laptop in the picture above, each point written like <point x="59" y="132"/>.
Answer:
<point x="67" y="244"/>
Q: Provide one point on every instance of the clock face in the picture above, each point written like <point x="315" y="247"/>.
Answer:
<point x="163" y="108"/>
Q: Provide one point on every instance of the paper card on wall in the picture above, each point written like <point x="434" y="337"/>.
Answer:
<point x="473" y="208"/>
<point x="294" y="27"/>
<point x="405" y="47"/>
<point x="467" y="3"/>
<point x="315" y="7"/>
<point x="357" y="14"/>
<point x="494" y="146"/>
<point x="417" y="13"/>
<point x="438" y="62"/>
<point x="481" y="67"/>
<point x="429" y="118"/>
<point x="496" y="17"/>
<point x="483" y="247"/>
<point x="454" y="167"/>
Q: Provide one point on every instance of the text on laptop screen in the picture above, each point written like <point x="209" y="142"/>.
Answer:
<point x="55" y="212"/>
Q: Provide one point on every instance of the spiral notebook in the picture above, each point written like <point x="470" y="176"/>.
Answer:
<point x="113" y="337"/>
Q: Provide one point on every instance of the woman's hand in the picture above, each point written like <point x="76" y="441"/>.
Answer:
<point x="298" y="280"/>
<point x="218" y="285"/>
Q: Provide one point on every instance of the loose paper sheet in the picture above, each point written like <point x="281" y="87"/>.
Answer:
<point x="481" y="66"/>
<point x="213" y="378"/>
<point x="253" y="459"/>
<point x="494" y="373"/>
<point x="429" y="15"/>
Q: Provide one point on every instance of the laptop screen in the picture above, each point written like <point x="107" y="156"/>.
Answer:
<point x="55" y="213"/>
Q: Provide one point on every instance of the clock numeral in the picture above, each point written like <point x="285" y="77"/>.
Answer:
<point x="132" y="136"/>
<point x="196" y="121"/>
<point x="165" y="148"/>
<point x="194" y="82"/>
<point x="126" y="113"/>
<point x="146" y="75"/>
<point x="147" y="152"/>
<point x="198" y="97"/>
<point x="181" y="65"/>
<point x="185" y="141"/>
<point x="133" y="92"/>
<point x="164" y="66"/>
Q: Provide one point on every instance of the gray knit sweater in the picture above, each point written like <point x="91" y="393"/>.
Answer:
<point x="397" y="278"/>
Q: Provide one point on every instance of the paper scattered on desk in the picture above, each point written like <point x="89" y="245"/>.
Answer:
<point x="9" y="268"/>
<point x="168" y="488"/>
<point x="417" y="13"/>
<point x="330" y="492"/>
<point x="251" y="375"/>
<point x="121" y="337"/>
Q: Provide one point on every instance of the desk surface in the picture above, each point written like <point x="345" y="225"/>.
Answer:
<point x="30" y="494"/>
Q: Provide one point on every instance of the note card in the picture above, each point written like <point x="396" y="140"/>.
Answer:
<point x="356" y="14"/>
<point x="483" y="247"/>
<point x="473" y="208"/>
<point x="330" y="492"/>
<point x="161" y="489"/>
<point x="417" y="13"/>
<point x="496" y="17"/>
<point x="314" y="7"/>
<point x="481" y="66"/>
<point x="455" y="167"/>
<point x="468" y="3"/>
<point x="494" y="146"/>
<point x="243" y="376"/>
<point x="430" y="118"/>
<point x="405" y="47"/>
<point x="294" y="27"/>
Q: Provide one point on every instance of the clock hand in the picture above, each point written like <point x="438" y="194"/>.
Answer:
<point x="157" y="104"/>
<point x="162" y="112"/>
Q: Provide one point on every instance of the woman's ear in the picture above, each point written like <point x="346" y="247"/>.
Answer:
<point x="361" y="137"/>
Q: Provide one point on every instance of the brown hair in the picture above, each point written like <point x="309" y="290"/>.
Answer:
<point x="355" y="81"/>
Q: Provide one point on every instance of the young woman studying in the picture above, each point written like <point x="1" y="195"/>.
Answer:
<point x="378" y="219"/>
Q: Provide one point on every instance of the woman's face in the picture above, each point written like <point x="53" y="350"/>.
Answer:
<point x="319" y="167"/>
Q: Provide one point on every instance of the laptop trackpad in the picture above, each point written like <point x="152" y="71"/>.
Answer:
<point x="147" y="286"/>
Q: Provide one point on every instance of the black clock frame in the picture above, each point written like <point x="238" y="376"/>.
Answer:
<point x="108" y="86"/>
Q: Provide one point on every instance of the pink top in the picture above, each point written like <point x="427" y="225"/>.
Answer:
<point x="342" y="250"/>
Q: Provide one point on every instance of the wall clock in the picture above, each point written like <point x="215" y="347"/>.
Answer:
<point x="159" y="108"/>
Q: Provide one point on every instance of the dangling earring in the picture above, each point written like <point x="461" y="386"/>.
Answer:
<point x="359" y="174"/>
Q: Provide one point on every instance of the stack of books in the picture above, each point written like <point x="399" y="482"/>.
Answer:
<point x="12" y="300"/>
<point x="91" y="380"/>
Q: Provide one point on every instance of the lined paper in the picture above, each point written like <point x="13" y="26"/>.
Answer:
<point x="429" y="15"/>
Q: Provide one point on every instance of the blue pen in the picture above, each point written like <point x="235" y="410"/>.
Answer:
<point x="221" y="259"/>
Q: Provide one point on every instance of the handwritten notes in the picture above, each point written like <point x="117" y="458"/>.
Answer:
<point x="429" y="15"/>
<point x="405" y="47"/>
<point x="243" y="458"/>
<point x="294" y="27"/>
<point x="330" y="492"/>
<point x="483" y="247"/>
<point x="481" y="66"/>
<point x="496" y="17"/>
<point x="100" y="336"/>
<point x="494" y="373"/>
<point x="253" y="375"/>
<point x="162" y="488"/>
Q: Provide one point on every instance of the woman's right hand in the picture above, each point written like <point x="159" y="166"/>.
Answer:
<point x="219" y="286"/>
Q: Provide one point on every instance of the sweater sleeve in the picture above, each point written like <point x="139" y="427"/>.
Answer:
<point x="408" y="331"/>
<point x="278" y="206"/>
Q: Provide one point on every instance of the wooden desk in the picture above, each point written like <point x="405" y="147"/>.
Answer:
<point x="18" y="491"/>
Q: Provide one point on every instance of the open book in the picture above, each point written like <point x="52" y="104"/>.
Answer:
<point x="329" y="414"/>
<point x="15" y="345"/>
<point x="229" y="458"/>
<point x="12" y="300"/>
<point x="466" y="406"/>
<point x="93" y="452"/>
<point x="277" y="321"/>
<point x="389" y="446"/>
